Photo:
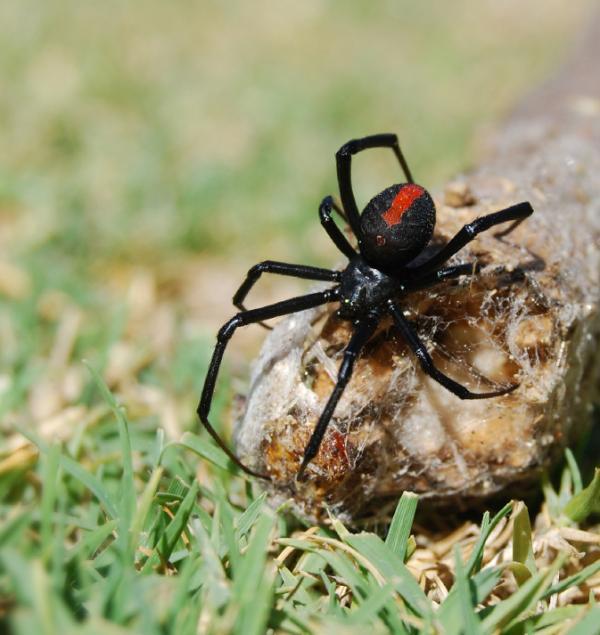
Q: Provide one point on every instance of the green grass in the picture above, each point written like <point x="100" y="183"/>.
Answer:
<point x="151" y="154"/>
<point x="140" y="545"/>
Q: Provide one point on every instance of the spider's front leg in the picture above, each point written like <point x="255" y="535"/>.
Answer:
<point x="333" y="231"/>
<point x="362" y="333"/>
<point x="518" y="213"/>
<point x="293" y="305"/>
<point x="305" y="272"/>
<point x="419" y="349"/>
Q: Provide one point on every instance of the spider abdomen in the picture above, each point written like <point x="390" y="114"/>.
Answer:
<point x="396" y="225"/>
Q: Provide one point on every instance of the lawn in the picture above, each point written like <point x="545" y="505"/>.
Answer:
<point x="152" y="153"/>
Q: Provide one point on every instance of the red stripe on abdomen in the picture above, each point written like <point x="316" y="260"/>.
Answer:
<point x="407" y="195"/>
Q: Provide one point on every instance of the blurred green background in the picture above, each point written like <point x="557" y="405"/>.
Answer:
<point x="174" y="144"/>
<point x="135" y="129"/>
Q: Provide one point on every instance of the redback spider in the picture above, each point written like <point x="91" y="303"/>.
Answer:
<point x="393" y="229"/>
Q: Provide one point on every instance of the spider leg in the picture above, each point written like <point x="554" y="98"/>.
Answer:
<point x="300" y="303"/>
<point x="283" y="269"/>
<point x="333" y="231"/>
<point x="418" y="348"/>
<point x="362" y="332"/>
<point x="344" y="159"/>
<point x="447" y="273"/>
<point x="518" y="212"/>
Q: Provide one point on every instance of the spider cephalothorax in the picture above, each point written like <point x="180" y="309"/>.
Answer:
<point x="394" y="228"/>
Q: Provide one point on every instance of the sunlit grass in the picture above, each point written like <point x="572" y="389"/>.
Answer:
<point x="150" y="154"/>
<point x="135" y="132"/>
<point x="125" y="531"/>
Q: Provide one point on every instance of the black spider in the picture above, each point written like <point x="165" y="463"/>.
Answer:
<point x="394" y="228"/>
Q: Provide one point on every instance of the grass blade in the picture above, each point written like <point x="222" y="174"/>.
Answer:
<point x="522" y="543"/>
<point x="88" y="547"/>
<point x="575" y="473"/>
<point x="49" y="495"/>
<point x="205" y="449"/>
<point x="588" y="624"/>
<point x="399" y="532"/>
<point x="470" y="622"/>
<point x="92" y="483"/>
<point x="128" y="495"/>
<point x="250" y="515"/>
<point x="144" y="505"/>
<point x="481" y="585"/>
<point x="523" y="600"/>
<point x="174" y="529"/>
<point x="390" y="566"/>
<point x="253" y="584"/>
<point x="586" y="502"/>
<point x="74" y="469"/>
<point x="474" y="563"/>
<point x="538" y="623"/>
<point x="574" y="580"/>
<point x="14" y="526"/>
<point x="371" y="606"/>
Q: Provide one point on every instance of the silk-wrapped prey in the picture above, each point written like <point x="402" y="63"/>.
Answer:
<point x="530" y="316"/>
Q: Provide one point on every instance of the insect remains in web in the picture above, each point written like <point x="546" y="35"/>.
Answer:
<point x="392" y="232"/>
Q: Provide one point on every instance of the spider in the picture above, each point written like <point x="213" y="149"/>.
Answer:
<point x="392" y="232"/>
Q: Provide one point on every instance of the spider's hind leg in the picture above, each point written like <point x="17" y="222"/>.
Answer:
<point x="419" y="349"/>
<point x="470" y="231"/>
<point x="363" y="331"/>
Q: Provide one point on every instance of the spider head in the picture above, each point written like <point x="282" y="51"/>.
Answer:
<point x="396" y="225"/>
